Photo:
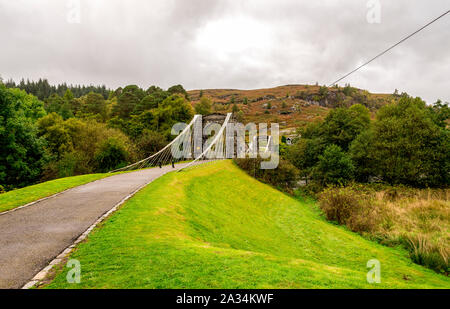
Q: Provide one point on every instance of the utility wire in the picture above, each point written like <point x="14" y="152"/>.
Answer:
<point x="393" y="46"/>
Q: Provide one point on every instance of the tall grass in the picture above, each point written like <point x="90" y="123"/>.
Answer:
<point x="418" y="219"/>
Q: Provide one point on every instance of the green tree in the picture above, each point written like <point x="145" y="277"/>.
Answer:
<point x="323" y="92"/>
<point x="111" y="154"/>
<point x="408" y="146"/>
<point x="334" y="167"/>
<point x="343" y="125"/>
<point x="204" y="106"/>
<point x="56" y="135"/>
<point x="68" y="96"/>
<point x="94" y="104"/>
<point x="172" y="110"/>
<point x="147" y="103"/>
<point x="177" y="89"/>
<point x="126" y="104"/>
<point x="54" y="103"/>
<point x="22" y="152"/>
<point x="135" y="90"/>
<point x="362" y="155"/>
<point x="150" y="142"/>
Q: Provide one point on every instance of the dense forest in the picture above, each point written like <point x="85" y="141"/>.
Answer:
<point x="63" y="135"/>
<point x="42" y="89"/>
<point x="407" y="143"/>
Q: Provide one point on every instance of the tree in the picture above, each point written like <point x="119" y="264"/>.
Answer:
<point x="334" y="167"/>
<point x="150" y="142"/>
<point x="95" y="104"/>
<point x="57" y="137"/>
<point x="408" y="146"/>
<point x="126" y="104"/>
<point x="440" y="113"/>
<point x="235" y="109"/>
<point x="147" y="103"/>
<point x="172" y="110"/>
<point x="153" y="89"/>
<point x="204" y="106"/>
<point x="323" y="91"/>
<point x="111" y="155"/>
<point x="304" y="155"/>
<point x="68" y="96"/>
<point x="135" y="90"/>
<point x="343" y="125"/>
<point x="22" y="151"/>
<point x="177" y="89"/>
<point x="362" y="155"/>
<point x="54" y="103"/>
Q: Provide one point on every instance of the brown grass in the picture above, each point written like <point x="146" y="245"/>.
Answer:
<point x="417" y="219"/>
<point x="283" y="100"/>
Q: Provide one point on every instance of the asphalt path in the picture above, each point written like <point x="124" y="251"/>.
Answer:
<point x="32" y="236"/>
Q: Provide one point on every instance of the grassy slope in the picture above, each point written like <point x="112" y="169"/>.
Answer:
<point x="216" y="227"/>
<point x="19" y="197"/>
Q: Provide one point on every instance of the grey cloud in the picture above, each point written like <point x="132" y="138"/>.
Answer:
<point x="288" y="41"/>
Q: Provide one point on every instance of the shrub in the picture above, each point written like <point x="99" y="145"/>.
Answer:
<point x="112" y="154"/>
<point x="348" y="206"/>
<point x="283" y="177"/>
<point x="150" y="143"/>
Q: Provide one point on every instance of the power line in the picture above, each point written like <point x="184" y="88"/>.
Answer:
<point x="393" y="46"/>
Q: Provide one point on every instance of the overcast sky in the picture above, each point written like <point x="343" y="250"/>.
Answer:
<point x="243" y="44"/>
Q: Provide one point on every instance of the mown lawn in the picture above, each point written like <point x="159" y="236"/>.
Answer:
<point x="19" y="197"/>
<point x="213" y="226"/>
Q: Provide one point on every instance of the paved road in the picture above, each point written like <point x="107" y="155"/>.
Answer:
<point x="32" y="236"/>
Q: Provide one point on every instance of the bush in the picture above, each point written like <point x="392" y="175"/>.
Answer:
<point x="112" y="154"/>
<point x="283" y="177"/>
<point x="350" y="206"/>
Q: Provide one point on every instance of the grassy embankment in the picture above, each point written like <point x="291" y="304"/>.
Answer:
<point x="19" y="197"/>
<point x="216" y="227"/>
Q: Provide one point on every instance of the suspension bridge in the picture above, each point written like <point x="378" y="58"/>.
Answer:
<point x="184" y="147"/>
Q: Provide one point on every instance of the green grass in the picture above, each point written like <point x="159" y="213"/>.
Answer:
<point x="19" y="197"/>
<point x="213" y="226"/>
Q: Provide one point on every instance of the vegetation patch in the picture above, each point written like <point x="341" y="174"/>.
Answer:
<point x="417" y="219"/>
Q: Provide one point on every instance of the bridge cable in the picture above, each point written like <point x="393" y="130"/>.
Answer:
<point x="390" y="48"/>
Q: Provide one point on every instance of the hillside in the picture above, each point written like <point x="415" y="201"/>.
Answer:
<point x="214" y="226"/>
<point x="290" y="105"/>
